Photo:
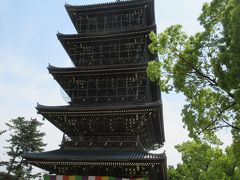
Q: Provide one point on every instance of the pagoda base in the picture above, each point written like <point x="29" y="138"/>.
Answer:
<point x="101" y="162"/>
<point x="60" y="177"/>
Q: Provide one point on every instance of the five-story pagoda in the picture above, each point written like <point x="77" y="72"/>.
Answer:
<point x="114" y="116"/>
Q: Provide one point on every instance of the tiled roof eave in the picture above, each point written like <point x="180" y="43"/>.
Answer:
<point x="91" y="163"/>
<point x="147" y="29"/>
<point x="105" y="5"/>
<point x="99" y="109"/>
<point x="97" y="69"/>
<point x="80" y="156"/>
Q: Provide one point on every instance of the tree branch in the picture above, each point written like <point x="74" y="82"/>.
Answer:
<point x="217" y="127"/>
<point x="231" y="125"/>
<point x="218" y="116"/>
<point x="211" y="81"/>
<point x="1" y="132"/>
<point x="199" y="72"/>
<point x="10" y="168"/>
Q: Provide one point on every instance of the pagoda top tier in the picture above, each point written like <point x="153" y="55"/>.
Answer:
<point x="112" y="16"/>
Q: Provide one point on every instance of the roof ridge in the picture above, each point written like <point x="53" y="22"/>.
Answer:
<point x="100" y="68"/>
<point x="121" y="33"/>
<point x="106" y="3"/>
<point x="103" y="108"/>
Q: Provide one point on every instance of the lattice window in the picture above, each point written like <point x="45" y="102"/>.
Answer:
<point x="104" y="170"/>
<point x="111" y="20"/>
<point x="106" y="130"/>
<point x="129" y="50"/>
<point x="125" y="124"/>
<point x="103" y="88"/>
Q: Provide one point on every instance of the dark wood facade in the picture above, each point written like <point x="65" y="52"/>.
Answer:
<point x="111" y="17"/>
<point x="114" y="116"/>
<point x="108" y="49"/>
<point x="130" y="126"/>
<point x="118" y="163"/>
<point x="116" y="85"/>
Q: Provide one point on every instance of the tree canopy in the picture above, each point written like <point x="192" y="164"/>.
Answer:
<point x="24" y="136"/>
<point x="205" y="67"/>
<point x="202" y="162"/>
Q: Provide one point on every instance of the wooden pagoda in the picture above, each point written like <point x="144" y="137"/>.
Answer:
<point x="114" y="116"/>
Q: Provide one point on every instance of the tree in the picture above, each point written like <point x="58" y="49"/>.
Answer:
<point x="25" y="136"/>
<point x="4" y="176"/>
<point x="1" y="132"/>
<point x="202" y="162"/>
<point x="205" y="67"/>
<point x="2" y="163"/>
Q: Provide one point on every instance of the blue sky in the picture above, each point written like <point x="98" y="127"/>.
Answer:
<point x="28" y="43"/>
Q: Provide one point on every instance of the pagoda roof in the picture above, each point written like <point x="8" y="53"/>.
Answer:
<point x="131" y="33"/>
<point x="68" y="78"/>
<point x="99" y="109"/>
<point x="96" y="69"/>
<point x="101" y="162"/>
<point x="77" y="46"/>
<point x="90" y="155"/>
<point x="113" y="4"/>
<point x="61" y="117"/>
<point x="79" y="16"/>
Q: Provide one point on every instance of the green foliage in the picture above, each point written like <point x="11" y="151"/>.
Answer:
<point x="203" y="162"/>
<point x="204" y="67"/>
<point x="2" y="132"/>
<point x="25" y="136"/>
<point x="4" y="176"/>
